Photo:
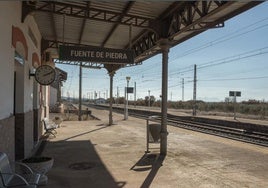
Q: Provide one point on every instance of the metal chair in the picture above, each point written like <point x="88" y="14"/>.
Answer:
<point x="8" y="178"/>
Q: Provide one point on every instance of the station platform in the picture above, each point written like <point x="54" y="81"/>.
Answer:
<point x="92" y="154"/>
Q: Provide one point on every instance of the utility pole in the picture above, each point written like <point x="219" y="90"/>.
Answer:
<point x="80" y="93"/>
<point x="149" y="98"/>
<point x="234" y="105"/>
<point x="194" y="93"/>
<point x="111" y="97"/>
<point x="117" y="95"/>
<point x="182" y="95"/>
<point x="135" y="94"/>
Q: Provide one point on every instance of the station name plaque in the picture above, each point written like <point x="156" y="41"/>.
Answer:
<point x="95" y="54"/>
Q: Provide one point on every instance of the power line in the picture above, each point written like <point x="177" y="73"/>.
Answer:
<point x="153" y="75"/>
<point x="234" y="58"/>
<point x="230" y="59"/>
<point x="225" y="60"/>
<point x="214" y="63"/>
<point x="245" y="78"/>
<point x="236" y="73"/>
<point x="228" y="37"/>
<point x="219" y="40"/>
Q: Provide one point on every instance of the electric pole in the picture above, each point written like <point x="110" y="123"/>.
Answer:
<point x="80" y="93"/>
<point x="182" y="95"/>
<point x="117" y="95"/>
<point x="194" y="94"/>
<point x="135" y="93"/>
<point x="149" y="98"/>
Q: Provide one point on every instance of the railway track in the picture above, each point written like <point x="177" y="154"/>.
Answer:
<point x="226" y="131"/>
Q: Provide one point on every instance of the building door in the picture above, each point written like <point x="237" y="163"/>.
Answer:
<point x="19" y="106"/>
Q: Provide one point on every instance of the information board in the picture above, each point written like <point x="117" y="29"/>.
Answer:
<point x="234" y="93"/>
<point x="130" y="89"/>
<point x="96" y="54"/>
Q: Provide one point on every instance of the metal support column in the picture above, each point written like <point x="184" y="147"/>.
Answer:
<point x="111" y="99"/>
<point x="126" y="99"/>
<point x="80" y="93"/>
<point x="164" y="45"/>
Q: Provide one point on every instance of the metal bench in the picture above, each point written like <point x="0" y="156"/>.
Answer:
<point x="50" y="128"/>
<point x="8" y="178"/>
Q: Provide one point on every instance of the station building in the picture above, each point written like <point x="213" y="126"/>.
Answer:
<point x="23" y="102"/>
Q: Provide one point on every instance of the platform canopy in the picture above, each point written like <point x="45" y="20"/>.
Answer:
<point x="145" y="28"/>
<point x="135" y="25"/>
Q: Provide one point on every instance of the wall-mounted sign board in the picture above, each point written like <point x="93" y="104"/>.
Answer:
<point x="96" y="54"/>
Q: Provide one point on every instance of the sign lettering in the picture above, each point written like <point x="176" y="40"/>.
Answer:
<point x="96" y="54"/>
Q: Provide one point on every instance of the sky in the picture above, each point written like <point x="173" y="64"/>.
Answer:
<point x="232" y="58"/>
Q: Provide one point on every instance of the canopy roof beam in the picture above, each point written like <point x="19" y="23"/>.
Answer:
<point x="119" y="20"/>
<point x="84" y="24"/>
<point x="80" y="11"/>
<point x="178" y="22"/>
<point x="53" y="26"/>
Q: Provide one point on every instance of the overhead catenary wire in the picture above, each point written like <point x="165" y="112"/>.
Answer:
<point x="217" y="41"/>
<point x="244" y="55"/>
<point x="233" y="79"/>
<point x="221" y="61"/>
<point x="220" y="40"/>
<point x="147" y="75"/>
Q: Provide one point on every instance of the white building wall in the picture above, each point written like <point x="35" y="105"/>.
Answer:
<point x="28" y="84"/>
<point x="8" y="16"/>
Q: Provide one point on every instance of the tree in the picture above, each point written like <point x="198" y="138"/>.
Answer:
<point x="152" y="100"/>
<point x="121" y="100"/>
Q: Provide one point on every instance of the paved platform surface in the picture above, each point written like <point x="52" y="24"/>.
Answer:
<point x="91" y="154"/>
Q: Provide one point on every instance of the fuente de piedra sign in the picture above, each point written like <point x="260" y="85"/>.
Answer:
<point x="95" y="54"/>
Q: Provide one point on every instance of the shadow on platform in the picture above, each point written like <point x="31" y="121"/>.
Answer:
<point x="149" y="161"/>
<point x="77" y="165"/>
<point x="84" y="133"/>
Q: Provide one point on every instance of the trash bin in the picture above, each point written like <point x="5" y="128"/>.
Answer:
<point x="154" y="132"/>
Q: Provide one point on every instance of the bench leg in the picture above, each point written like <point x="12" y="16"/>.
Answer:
<point x="50" y="132"/>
